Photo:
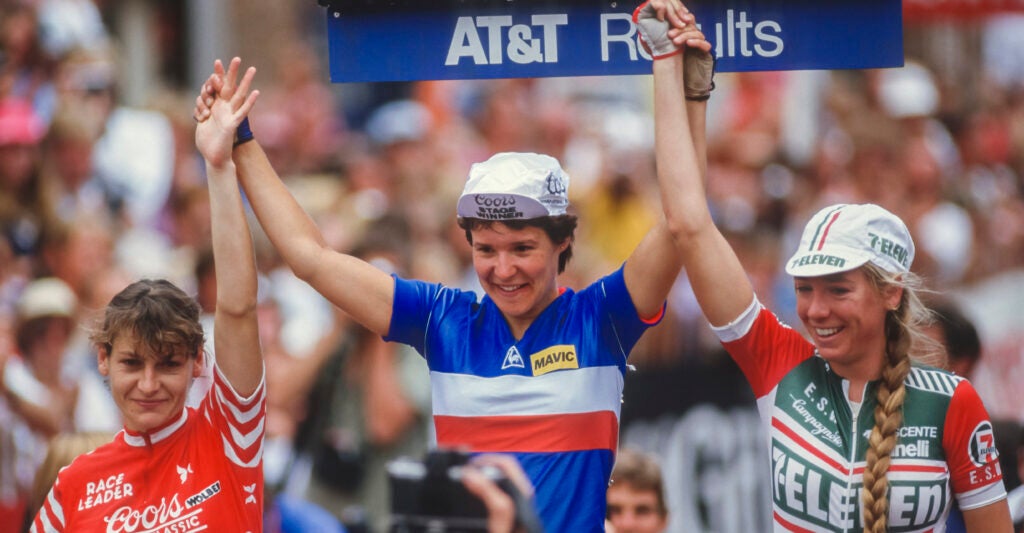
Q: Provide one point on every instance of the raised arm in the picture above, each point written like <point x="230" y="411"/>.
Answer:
<point x="687" y="236"/>
<point x="236" y="336"/>
<point x="356" y="287"/>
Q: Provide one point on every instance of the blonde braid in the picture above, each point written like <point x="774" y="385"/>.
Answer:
<point x="888" y="417"/>
<point x="901" y="328"/>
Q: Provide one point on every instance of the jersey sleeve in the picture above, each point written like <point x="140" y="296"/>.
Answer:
<point x="239" y="420"/>
<point x="410" y="313"/>
<point x="612" y="297"/>
<point x="763" y="347"/>
<point x="50" y="517"/>
<point x="971" y="454"/>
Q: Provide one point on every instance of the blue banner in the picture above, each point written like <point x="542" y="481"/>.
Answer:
<point x="523" y="39"/>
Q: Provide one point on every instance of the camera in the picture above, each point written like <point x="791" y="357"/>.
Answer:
<point x="428" y="496"/>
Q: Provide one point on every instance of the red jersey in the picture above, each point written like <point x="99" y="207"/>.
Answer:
<point x="201" y="472"/>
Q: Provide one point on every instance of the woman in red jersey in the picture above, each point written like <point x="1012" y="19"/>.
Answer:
<point x="174" y="468"/>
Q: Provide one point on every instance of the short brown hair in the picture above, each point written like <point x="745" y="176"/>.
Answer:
<point x="641" y="472"/>
<point x="559" y="229"/>
<point x="160" y="315"/>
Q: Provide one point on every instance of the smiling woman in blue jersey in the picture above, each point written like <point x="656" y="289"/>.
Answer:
<point x="531" y="369"/>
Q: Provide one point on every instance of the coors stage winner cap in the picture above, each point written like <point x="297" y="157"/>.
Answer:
<point x="515" y="186"/>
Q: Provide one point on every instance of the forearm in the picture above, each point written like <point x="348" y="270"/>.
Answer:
<point x="232" y="244"/>
<point x="291" y="230"/>
<point x="236" y="335"/>
<point x="680" y="174"/>
<point x="356" y="287"/>
<point x="696" y="115"/>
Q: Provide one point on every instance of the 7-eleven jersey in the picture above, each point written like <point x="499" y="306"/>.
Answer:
<point x="817" y="442"/>
<point x="551" y="398"/>
<point x="202" y="472"/>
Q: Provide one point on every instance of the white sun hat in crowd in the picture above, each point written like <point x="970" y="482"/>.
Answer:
<point x="515" y="186"/>
<point x="843" y="237"/>
<point x="45" y="297"/>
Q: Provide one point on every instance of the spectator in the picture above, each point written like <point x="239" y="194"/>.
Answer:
<point x="22" y="206"/>
<point x="504" y="513"/>
<point x="636" y="496"/>
<point x="36" y="399"/>
<point x="60" y="452"/>
<point x="957" y="334"/>
<point x="26" y="70"/>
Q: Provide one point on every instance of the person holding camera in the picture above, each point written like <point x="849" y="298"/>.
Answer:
<point x="506" y="509"/>
<point x="531" y="369"/>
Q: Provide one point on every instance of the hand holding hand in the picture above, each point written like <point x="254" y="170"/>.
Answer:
<point x="654" y="19"/>
<point x="698" y="62"/>
<point x="211" y="88"/>
<point x="220" y="108"/>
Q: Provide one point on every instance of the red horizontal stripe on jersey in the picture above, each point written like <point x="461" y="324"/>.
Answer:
<point x="777" y="424"/>
<point x="790" y="526"/>
<point x="598" y="430"/>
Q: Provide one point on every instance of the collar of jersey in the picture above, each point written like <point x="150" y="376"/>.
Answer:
<point x="156" y="435"/>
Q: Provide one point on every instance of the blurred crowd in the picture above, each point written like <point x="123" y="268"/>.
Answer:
<point x="95" y="194"/>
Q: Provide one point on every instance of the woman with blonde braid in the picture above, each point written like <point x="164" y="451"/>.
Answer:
<point x="862" y="436"/>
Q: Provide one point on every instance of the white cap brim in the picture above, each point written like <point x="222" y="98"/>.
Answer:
<point x="831" y="260"/>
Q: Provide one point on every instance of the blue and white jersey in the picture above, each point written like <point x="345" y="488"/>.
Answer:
<point x="551" y="398"/>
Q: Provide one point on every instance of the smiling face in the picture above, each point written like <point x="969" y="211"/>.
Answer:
<point x="518" y="269"/>
<point x="845" y="315"/>
<point x="149" y="388"/>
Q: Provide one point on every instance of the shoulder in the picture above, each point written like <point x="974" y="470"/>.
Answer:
<point x="409" y="291"/>
<point x="934" y="380"/>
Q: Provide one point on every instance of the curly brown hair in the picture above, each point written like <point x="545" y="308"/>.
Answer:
<point x="160" y="315"/>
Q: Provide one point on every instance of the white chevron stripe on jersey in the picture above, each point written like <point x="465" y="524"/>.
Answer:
<point x="229" y="452"/>
<point x="245" y="440"/>
<point x="583" y="390"/>
<point x="55" y="508"/>
<point x="241" y="409"/>
<point x="933" y="380"/>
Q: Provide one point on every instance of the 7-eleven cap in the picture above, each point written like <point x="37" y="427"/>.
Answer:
<point x="845" y="236"/>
